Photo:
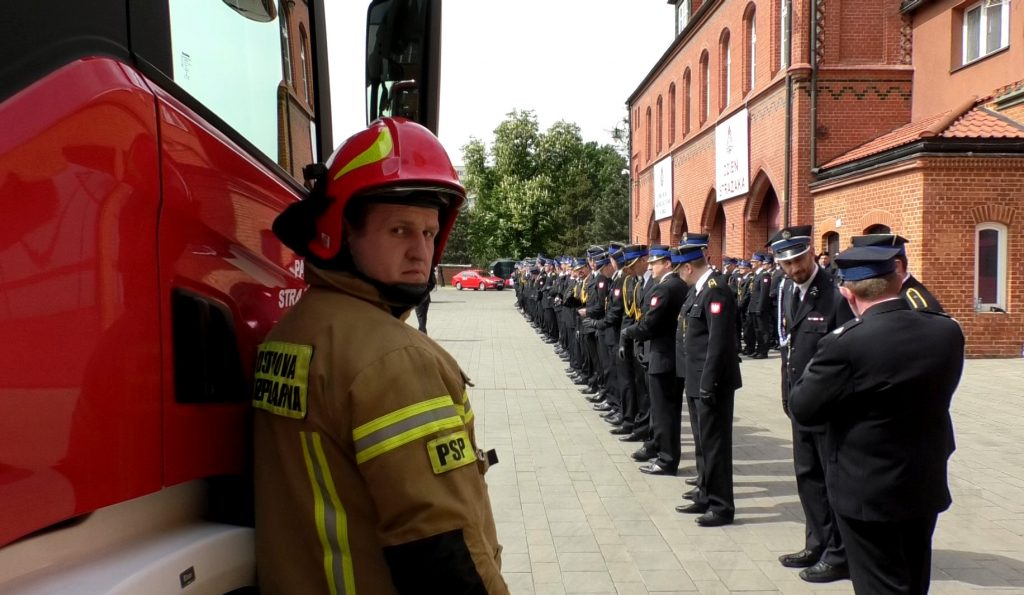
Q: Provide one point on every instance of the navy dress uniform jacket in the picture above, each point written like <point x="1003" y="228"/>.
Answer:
<point x="712" y="363"/>
<point x="821" y="311"/>
<point x="658" y="325"/>
<point x="883" y="385"/>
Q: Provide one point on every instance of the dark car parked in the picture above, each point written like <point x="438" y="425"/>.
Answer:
<point x="503" y="268"/>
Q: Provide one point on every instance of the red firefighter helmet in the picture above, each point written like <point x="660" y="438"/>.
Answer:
<point x="391" y="159"/>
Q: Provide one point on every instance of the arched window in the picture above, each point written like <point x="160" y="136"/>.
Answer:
<point x="990" y="266"/>
<point x="661" y="122"/>
<point x="783" y="36"/>
<point x="686" y="102"/>
<point x="750" y="53"/>
<point x="307" y="73"/>
<point x="286" y="46"/>
<point x="705" y="87"/>
<point x="877" y="228"/>
<point x="725" y="75"/>
<point x="648" y="142"/>
<point x="671" y="114"/>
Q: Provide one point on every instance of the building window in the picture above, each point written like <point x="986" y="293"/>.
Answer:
<point x="986" y="29"/>
<point x="705" y="88"/>
<point x="671" y="114"/>
<point x="725" y="76"/>
<point x="286" y="46"/>
<point x="661" y="122"/>
<point x="990" y="267"/>
<point x="648" y="143"/>
<point x="783" y="34"/>
<point x="686" y="102"/>
<point x="750" y="55"/>
<point x="307" y="78"/>
<point x="682" y="15"/>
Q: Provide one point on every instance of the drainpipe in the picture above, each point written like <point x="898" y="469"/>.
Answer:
<point x="789" y="116"/>
<point x="813" y="59"/>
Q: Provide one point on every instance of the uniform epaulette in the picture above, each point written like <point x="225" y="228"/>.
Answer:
<point x="845" y="327"/>
<point x="712" y="283"/>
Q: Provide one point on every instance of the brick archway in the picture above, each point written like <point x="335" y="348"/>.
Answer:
<point x="653" y="232"/>
<point x="877" y="217"/>
<point x="708" y="214"/>
<point x="679" y="226"/>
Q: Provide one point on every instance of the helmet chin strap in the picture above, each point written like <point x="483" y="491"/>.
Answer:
<point x="400" y="296"/>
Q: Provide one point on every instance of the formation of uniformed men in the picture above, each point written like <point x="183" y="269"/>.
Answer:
<point x="646" y="329"/>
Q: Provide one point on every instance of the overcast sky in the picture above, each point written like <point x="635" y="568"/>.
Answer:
<point x="573" y="60"/>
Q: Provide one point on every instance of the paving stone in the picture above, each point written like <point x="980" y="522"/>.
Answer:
<point x="566" y="493"/>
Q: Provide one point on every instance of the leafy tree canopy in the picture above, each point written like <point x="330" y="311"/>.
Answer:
<point x="534" y="191"/>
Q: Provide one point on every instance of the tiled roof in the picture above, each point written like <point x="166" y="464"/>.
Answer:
<point x="975" y="118"/>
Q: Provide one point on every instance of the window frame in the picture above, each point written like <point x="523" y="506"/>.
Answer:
<point x="705" y="87"/>
<point x="725" y="81"/>
<point x="682" y="15"/>
<point x="671" y="114"/>
<point x="750" y="57"/>
<point x="1004" y="32"/>
<point x="1001" y="264"/>
<point x="660" y="124"/>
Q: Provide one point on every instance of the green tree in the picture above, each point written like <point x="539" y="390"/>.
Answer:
<point x="535" y="191"/>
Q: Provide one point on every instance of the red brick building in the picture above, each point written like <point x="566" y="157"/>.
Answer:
<point x="856" y="117"/>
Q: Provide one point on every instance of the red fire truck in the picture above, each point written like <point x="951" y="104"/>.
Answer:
<point x="145" y="148"/>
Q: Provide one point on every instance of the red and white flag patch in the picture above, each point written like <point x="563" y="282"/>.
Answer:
<point x="600" y="284"/>
<point x="716" y="307"/>
<point x="654" y="301"/>
<point x="617" y="293"/>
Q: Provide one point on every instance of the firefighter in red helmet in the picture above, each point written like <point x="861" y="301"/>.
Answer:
<point x="369" y="477"/>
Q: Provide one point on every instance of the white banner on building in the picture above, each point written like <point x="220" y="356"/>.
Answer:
<point x="732" y="161"/>
<point x="663" y="188"/>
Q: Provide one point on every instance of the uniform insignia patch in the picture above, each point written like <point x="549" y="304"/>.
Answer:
<point x="450" y="452"/>
<point x="617" y="292"/>
<point x="654" y="301"/>
<point x="600" y="284"/>
<point x="281" y="383"/>
<point x="716" y="307"/>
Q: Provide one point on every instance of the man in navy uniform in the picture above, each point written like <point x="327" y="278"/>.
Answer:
<point x="658" y="329"/>
<point x="883" y="385"/>
<point x="912" y="290"/>
<point x="811" y="308"/>
<point x="712" y="377"/>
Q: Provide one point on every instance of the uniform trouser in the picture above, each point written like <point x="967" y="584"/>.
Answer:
<point x="889" y="556"/>
<point x="749" y="332"/>
<point x="593" y="363"/>
<point x="642" y="421"/>
<point x="575" y="347"/>
<point x="627" y="389"/>
<point x="715" y="424"/>
<point x="666" y="419"/>
<point x="421" y="313"/>
<point x="698" y="454"/>
<point x="773" y="325"/>
<point x="822" y="534"/>
<point x="762" y="322"/>
<point x="550" y="325"/>
<point x="611" y="378"/>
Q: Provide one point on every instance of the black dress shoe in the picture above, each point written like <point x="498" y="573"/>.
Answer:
<point x="643" y="455"/>
<point x="713" y="519"/>
<point x="615" y="420"/>
<point x="621" y="431"/>
<point x="801" y="559"/>
<point x="581" y="382"/>
<point x="693" y="508"/>
<point x="692" y="494"/>
<point x="656" y="469"/>
<point x="823" y="572"/>
<point x="595" y="398"/>
<point x="691" y="481"/>
<point x="602" y="406"/>
<point x="632" y="438"/>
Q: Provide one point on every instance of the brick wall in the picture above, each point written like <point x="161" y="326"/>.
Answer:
<point x="937" y="203"/>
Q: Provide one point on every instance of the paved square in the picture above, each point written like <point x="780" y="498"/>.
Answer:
<point x="575" y="516"/>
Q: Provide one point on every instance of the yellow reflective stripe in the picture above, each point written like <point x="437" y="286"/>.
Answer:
<point x="331" y="520"/>
<point x="464" y="410"/>
<point x="913" y="295"/>
<point x="408" y="436"/>
<point x="380" y="149"/>
<point x="404" y="413"/>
